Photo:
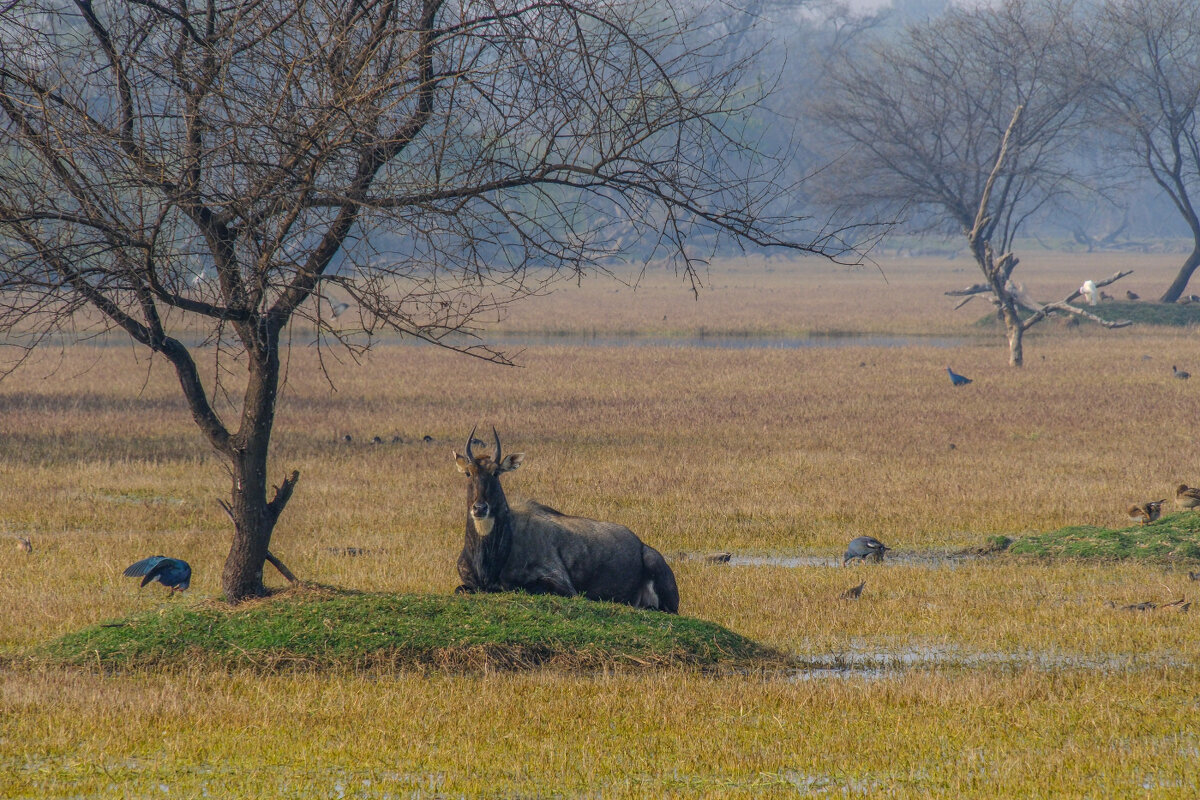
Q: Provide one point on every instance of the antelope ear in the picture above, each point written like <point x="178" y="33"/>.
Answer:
<point x="462" y="462"/>
<point x="511" y="462"/>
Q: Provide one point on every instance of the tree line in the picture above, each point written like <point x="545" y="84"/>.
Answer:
<point x="984" y="121"/>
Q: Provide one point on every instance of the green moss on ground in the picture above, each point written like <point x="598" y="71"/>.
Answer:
<point x="1173" y="538"/>
<point x="319" y="628"/>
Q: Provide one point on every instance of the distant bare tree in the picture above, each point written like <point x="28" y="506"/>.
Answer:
<point x="1145" y="61"/>
<point x="965" y="121"/>
<point x="216" y="167"/>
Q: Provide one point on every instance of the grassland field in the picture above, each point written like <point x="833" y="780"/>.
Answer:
<point x="989" y="677"/>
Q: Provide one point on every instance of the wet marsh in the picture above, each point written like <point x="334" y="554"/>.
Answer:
<point x="955" y="677"/>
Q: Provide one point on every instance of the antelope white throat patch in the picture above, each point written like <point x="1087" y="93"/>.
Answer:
<point x="483" y="525"/>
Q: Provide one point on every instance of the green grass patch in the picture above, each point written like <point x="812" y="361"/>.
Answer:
<point x="320" y="628"/>
<point x="1173" y="538"/>
<point x="1149" y="313"/>
<point x="1138" y="311"/>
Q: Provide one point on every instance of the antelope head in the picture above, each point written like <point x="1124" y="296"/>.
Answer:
<point x="485" y="496"/>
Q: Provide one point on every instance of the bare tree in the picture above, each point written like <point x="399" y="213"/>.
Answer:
<point x="1143" y="61"/>
<point x="182" y="165"/>
<point x="965" y="122"/>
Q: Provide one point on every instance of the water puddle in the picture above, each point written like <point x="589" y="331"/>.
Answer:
<point x="917" y="558"/>
<point x="574" y="339"/>
<point x="870" y="665"/>
<point x="725" y="342"/>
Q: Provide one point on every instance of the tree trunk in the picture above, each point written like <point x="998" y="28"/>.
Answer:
<point x="1175" y="290"/>
<point x="254" y="516"/>
<point x="242" y="577"/>
<point x="1014" y="331"/>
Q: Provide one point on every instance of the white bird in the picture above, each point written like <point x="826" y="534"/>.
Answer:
<point x="199" y="278"/>
<point x="1088" y="290"/>
<point x="337" y="307"/>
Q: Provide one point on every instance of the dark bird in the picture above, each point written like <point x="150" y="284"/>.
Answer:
<point x="853" y="593"/>
<point x="173" y="573"/>
<point x="427" y="438"/>
<point x="956" y="379"/>
<point x="1146" y="512"/>
<point x="397" y="439"/>
<point x="1187" y="496"/>
<point x="377" y="440"/>
<point x="1178" y="373"/>
<point x="1132" y="295"/>
<point x="347" y="438"/>
<point x="1105" y="296"/>
<point x="24" y="545"/>
<point x="865" y="547"/>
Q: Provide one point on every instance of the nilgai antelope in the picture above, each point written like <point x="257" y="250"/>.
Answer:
<point x="534" y="548"/>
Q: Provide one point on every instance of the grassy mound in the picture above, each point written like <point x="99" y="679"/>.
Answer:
<point x="319" y="628"/>
<point x="1174" y="538"/>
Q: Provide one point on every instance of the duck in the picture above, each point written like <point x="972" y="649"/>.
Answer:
<point x="1178" y="373"/>
<point x="1187" y="496"/>
<point x="1146" y="512"/>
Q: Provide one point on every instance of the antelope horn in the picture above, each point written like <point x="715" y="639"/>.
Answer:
<point x="496" y="436"/>
<point x="471" y="438"/>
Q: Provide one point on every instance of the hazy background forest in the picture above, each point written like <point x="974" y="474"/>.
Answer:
<point x="1105" y="198"/>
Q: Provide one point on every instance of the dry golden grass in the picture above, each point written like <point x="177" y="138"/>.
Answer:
<point x="1025" y="683"/>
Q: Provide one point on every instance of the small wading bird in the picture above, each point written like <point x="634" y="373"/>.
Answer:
<point x="1146" y="512"/>
<point x="1132" y="295"/>
<point x="853" y="593"/>
<point x="173" y="573"/>
<point x="956" y="379"/>
<point x="1187" y="496"/>
<point x="865" y="547"/>
<point x="1178" y="373"/>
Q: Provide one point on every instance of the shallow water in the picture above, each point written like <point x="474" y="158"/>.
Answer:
<point x="518" y="341"/>
<point x="729" y="342"/>
<point x="922" y="558"/>
<point x="867" y="664"/>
